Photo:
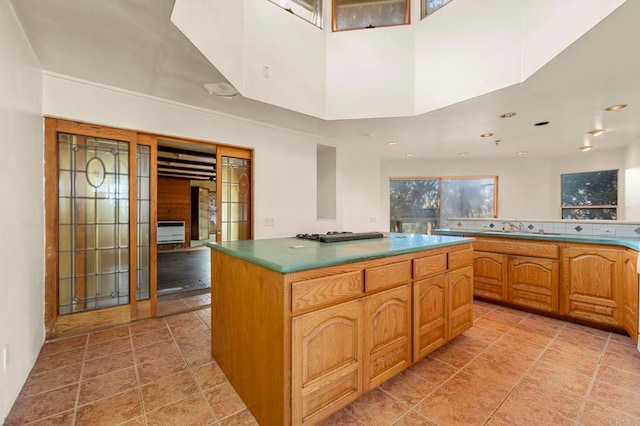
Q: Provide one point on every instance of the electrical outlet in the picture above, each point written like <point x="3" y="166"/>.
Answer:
<point x="372" y="219"/>
<point x="268" y="222"/>
<point x="265" y="71"/>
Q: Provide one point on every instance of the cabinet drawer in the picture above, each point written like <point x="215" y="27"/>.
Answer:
<point x="310" y="294"/>
<point x="387" y="276"/>
<point x="429" y="265"/>
<point x="460" y="258"/>
<point x="517" y="247"/>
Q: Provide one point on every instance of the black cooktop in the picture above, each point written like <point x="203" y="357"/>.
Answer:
<point x="334" y="237"/>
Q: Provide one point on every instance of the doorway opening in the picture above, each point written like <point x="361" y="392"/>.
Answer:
<point x="186" y="212"/>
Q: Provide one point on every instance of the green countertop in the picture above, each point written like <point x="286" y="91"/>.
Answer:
<point x="630" y="242"/>
<point x="288" y="255"/>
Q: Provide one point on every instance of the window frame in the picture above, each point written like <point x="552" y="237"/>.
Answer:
<point x="424" y="8"/>
<point x="334" y="21"/>
<point x="318" y="15"/>
<point x="495" y="179"/>
<point x="593" y="207"/>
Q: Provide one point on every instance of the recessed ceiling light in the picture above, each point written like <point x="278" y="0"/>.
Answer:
<point x="392" y="143"/>
<point x="586" y="147"/>
<point x="464" y="154"/>
<point x="596" y="132"/>
<point x="541" y="123"/>
<point x="508" y="114"/>
<point x="522" y="153"/>
<point x="486" y="135"/>
<point x="616" y="107"/>
<point x="410" y="155"/>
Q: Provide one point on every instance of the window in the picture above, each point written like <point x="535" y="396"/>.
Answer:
<point x="430" y="6"/>
<point x="590" y="195"/>
<point x="415" y="202"/>
<point x="309" y="10"/>
<point x="355" y="14"/>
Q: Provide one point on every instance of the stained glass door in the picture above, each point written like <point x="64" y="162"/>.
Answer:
<point x="97" y="226"/>
<point x="234" y="192"/>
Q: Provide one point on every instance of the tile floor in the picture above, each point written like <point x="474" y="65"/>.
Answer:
<point x="511" y="368"/>
<point x="181" y="303"/>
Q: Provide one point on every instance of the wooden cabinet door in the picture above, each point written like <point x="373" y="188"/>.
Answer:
<point x="460" y="301"/>
<point x="327" y="361"/>
<point x="591" y="284"/>
<point x="630" y="296"/>
<point x="533" y="282"/>
<point x="387" y="349"/>
<point x="430" y="315"/>
<point x="490" y="275"/>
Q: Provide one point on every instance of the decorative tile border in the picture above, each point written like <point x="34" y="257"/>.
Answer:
<point x="570" y="227"/>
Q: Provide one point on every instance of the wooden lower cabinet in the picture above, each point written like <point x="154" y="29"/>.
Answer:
<point x="327" y="361"/>
<point x="387" y="349"/>
<point x="592" y="284"/>
<point x="443" y="309"/>
<point x="630" y="296"/>
<point x="533" y="282"/>
<point x="430" y="315"/>
<point x="490" y="275"/>
<point x="460" y="301"/>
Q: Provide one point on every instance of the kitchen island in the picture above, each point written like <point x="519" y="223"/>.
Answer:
<point x="303" y="328"/>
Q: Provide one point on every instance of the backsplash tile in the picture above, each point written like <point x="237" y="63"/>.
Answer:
<point x="559" y="227"/>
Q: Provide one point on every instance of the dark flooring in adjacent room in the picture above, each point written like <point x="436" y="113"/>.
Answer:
<point x="183" y="270"/>
<point x="511" y="368"/>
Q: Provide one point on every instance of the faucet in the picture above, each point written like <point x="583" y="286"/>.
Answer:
<point x="513" y="226"/>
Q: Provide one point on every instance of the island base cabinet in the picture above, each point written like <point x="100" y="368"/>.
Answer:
<point x="387" y="335"/>
<point x="327" y="361"/>
<point x="443" y="309"/>
<point x="591" y="284"/>
<point x="460" y="298"/>
<point x="533" y="282"/>
<point x="430" y="314"/>
<point x="630" y="313"/>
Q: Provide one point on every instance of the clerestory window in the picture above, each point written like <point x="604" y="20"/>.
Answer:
<point x="358" y="14"/>
<point x="309" y="10"/>
<point x="430" y="6"/>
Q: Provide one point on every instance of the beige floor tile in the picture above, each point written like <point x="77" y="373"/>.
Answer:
<point x="616" y="397"/>
<point x="209" y="375"/>
<point x="243" y="418"/>
<point x="596" y="414"/>
<point x="516" y="412"/>
<point x="224" y="400"/>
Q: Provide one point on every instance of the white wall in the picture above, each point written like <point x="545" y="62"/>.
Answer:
<point x="22" y="212"/>
<point x="632" y="176"/>
<point x="285" y="160"/>
<point x="527" y="187"/>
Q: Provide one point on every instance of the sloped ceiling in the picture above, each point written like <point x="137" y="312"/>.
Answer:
<point x="132" y="44"/>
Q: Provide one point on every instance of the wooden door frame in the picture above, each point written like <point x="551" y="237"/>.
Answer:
<point x="55" y="325"/>
<point x="245" y="154"/>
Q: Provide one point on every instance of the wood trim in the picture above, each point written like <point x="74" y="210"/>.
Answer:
<point x="94" y="130"/>
<point x="91" y="320"/>
<point x="152" y="142"/>
<point x="51" y="227"/>
<point x="133" y="227"/>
